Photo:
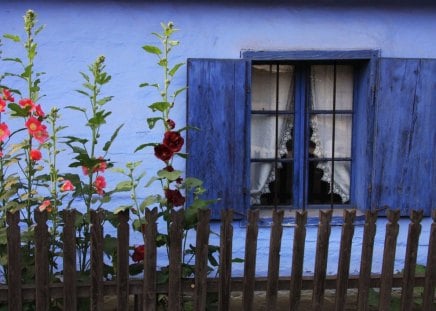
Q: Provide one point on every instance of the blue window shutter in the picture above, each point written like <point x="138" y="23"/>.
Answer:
<point x="404" y="175"/>
<point x="218" y="153"/>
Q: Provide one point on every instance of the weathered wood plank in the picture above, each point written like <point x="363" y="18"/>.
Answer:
<point x="322" y="246"/>
<point x="390" y="245"/>
<point x="201" y="253"/>
<point x="225" y="267"/>
<point x="123" y="260"/>
<point x="366" y="260"/>
<point x="344" y="259"/>
<point x="14" y="262"/>
<point x="250" y="259"/>
<point x="175" y="261"/>
<point x="41" y="261"/>
<point x="150" y="234"/>
<point x="430" y="272"/>
<point x="297" y="260"/>
<point x="97" y="217"/>
<point x="69" y="260"/>
<point x="274" y="259"/>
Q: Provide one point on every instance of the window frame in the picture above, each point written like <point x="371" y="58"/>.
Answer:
<point x="363" y="103"/>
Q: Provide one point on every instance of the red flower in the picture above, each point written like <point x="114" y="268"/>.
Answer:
<point x="33" y="125"/>
<point x="101" y="166"/>
<point x="163" y="152"/>
<point x="169" y="168"/>
<point x="173" y="140"/>
<point x="7" y="95"/>
<point x="171" y="124"/>
<point x="2" y="105"/>
<point x="99" y="184"/>
<point x="138" y="253"/>
<point x="35" y="155"/>
<point x="4" y="132"/>
<point x="27" y="103"/>
<point x="45" y="206"/>
<point x="67" y="186"/>
<point x="174" y="197"/>
<point x="179" y="180"/>
<point x="39" y="112"/>
<point x="41" y="134"/>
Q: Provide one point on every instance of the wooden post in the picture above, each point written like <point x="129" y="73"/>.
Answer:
<point x="97" y="217"/>
<point x="250" y="260"/>
<point x="41" y="261"/>
<point x="322" y="246"/>
<point x="344" y="259"/>
<point x="201" y="254"/>
<point x="387" y="273"/>
<point x="225" y="267"/>
<point x="366" y="260"/>
<point x="175" y="270"/>
<point x="150" y="234"/>
<point x="15" y="298"/>
<point x="274" y="260"/>
<point x="297" y="260"/>
<point x="430" y="271"/>
<point x="69" y="260"/>
<point x="123" y="260"/>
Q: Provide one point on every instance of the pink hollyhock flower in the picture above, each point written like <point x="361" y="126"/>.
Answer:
<point x="46" y="205"/>
<point x="100" y="184"/>
<point x="33" y="125"/>
<point x="67" y="186"/>
<point x="27" y="103"/>
<point x="7" y="95"/>
<point x="2" y="105"/>
<point x="138" y="253"/>
<point x="85" y="170"/>
<point x="4" y="132"/>
<point x="41" y="135"/>
<point x="39" y="112"/>
<point x="101" y="166"/>
<point x="35" y="155"/>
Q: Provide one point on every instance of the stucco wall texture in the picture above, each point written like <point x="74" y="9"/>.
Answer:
<point x="76" y="33"/>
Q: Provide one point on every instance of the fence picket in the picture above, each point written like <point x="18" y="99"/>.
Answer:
<point x="250" y="259"/>
<point x="123" y="260"/>
<point x="344" y="259"/>
<point x="41" y="261"/>
<point x="201" y="252"/>
<point x="69" y="260"/>
<point x="150" y="233"/>
<point x="14" y="262"/>
<point x="430" y="272"/>
<point x="297" y="260"/>
<point x="366" y="260"/>
<point x="175" y="271"/>
<point x="390" y="245"/>
<point x="97" y="217"/>
<point x="225" y="268"/>
<point x="274" y="259"/>
<point x="321" y="259"/>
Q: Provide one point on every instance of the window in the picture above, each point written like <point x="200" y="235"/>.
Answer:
<point x="302" y="118"/>
<point x="301" y="130"/>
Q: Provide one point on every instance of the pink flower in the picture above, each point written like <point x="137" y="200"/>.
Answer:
<point x="4" y="132"/>
<point x="101" y="166"/>
<point x="100" y="184"/>
<point x="46" y="205"/>
<point x="67" y="186"/>
<point x="27" y="103"/>
<point x="41" y="134"/>
<point x="7" y="95"/>
<point x="39" y="112"/>
<point x="35" y="155"/>
<point x="2" y="105"/>
<point x="33" y="125"/>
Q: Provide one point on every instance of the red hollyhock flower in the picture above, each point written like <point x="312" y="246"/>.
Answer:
<point x="163" y="152"/>
<point x="4" y="132"/>
<point x="101" y="166"/>
<point x="46" y="205"/>
<point x="41" y="134"/>
<point x="39" y="112"/>
<point x="27" y="103"/>
<point x="67" y="186"/>
<point x="138" y="253"/>
<point x="173" y="140"/>
<point x="7" y="95"/>
<point x="169" y="168"/>
<point x="174" y="197"/>
<point x="2" y="105"/>
<point x="99" y="184"/>
<point x="171" y="124"/>
<point x="35" y="155"/>
<point x="33" y="125"/>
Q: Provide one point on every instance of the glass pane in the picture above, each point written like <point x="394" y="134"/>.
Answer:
<point x="343" y="128"/>
<point x="323" y="84"/>
<point x="321" y="127"/>
<point x="264" y="92"/>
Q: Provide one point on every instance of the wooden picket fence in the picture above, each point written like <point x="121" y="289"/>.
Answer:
<point x="146" y="289"/>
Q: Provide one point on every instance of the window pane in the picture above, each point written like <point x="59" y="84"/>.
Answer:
<point x="343" y="128"/>
<point x="324" y="82"/>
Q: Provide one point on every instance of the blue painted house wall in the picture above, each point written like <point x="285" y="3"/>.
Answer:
<point x="77" y="32"/>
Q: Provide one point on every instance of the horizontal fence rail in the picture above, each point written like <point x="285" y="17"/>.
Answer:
<point x="146" y="289"/>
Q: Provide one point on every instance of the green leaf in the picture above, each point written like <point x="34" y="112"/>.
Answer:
<point x="108" y="144"/>
<point x="145" y="145"/>
<point x="152" y="49"/>
<point x="175" y="68"/>
<point x="104" y="100"/>
<point x="152" y="122"/>
<point x="149" y="200"/>
<point x="238" y="260"/>
<point x="148" y="84"/>
<point x="160" y="106"/>
<point x="171" y="176"/>
<point x="16" y="60"/>
<point x="179" y="91"/>
<point x="14" y="38"/>
<point x="18" y="111"/>
<point x="124" y="186"/>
